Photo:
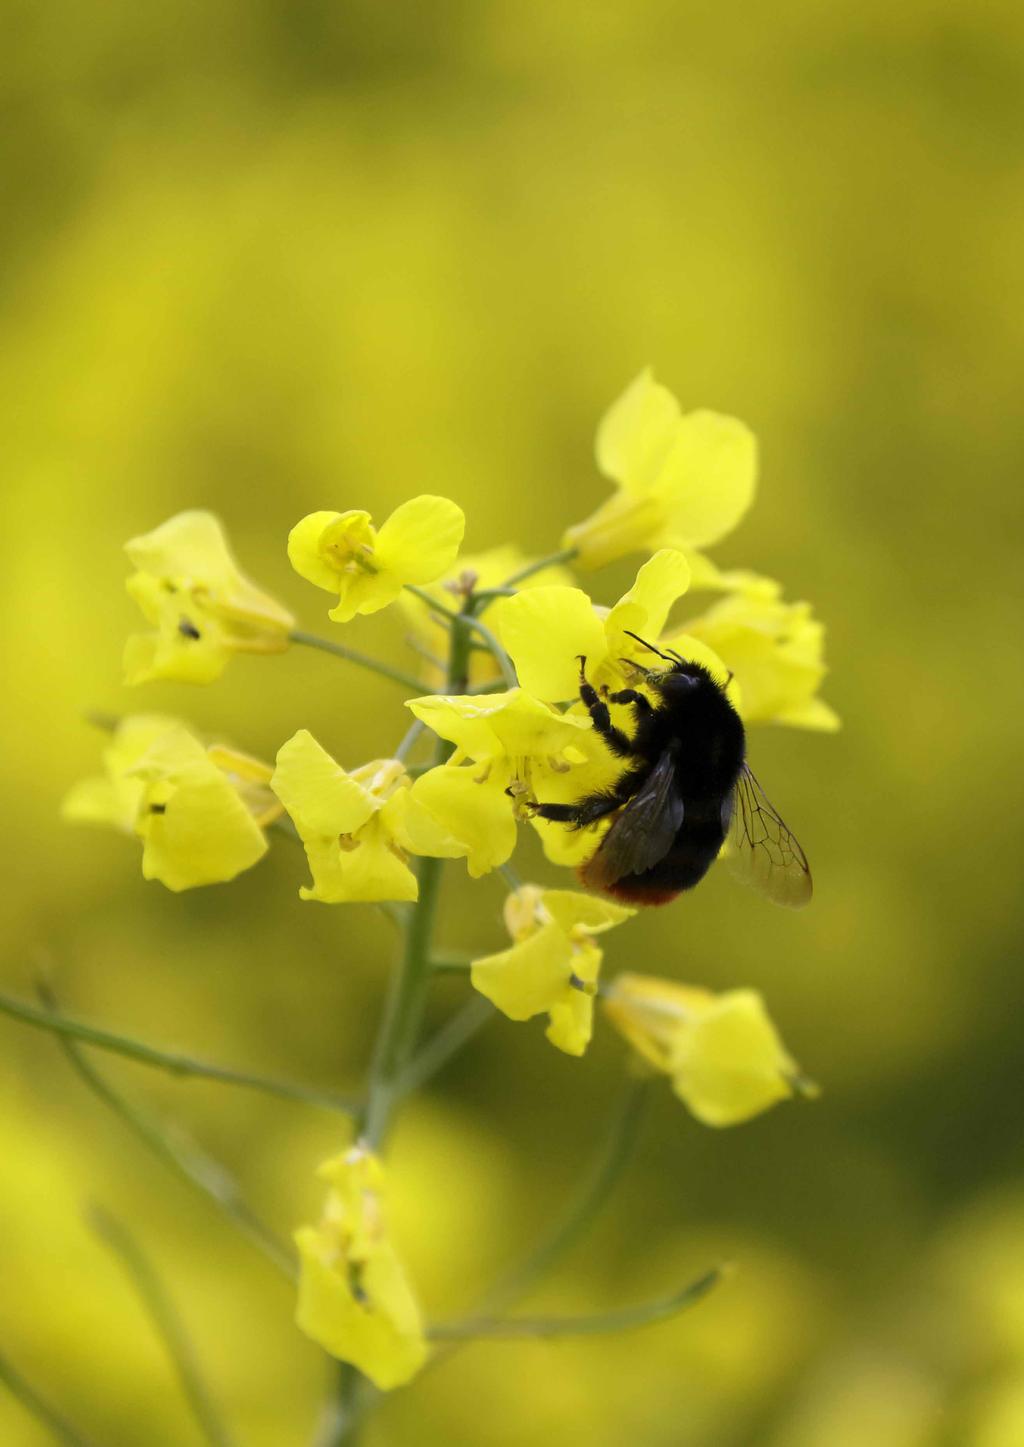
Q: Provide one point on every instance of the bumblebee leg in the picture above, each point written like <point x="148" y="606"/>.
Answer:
<point x="617" y="741"/>
<point x="557" y="813"/>
<point x="640" y="701"/>
<point x="594" y="806"/>
<point x="583" y="812"/>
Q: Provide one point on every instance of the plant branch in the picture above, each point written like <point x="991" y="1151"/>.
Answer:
<point x="466" y="619"/>
<point x="553" y="560"/>
<point x="447" y="1041"/>
<point x="613" y="1157"/>
<point x="362" y="660"/>
<point x="45" y="1415"/>
<point x="175" y="1064"/>
<point x="182" y="1157"/>
<point x="169" y="1326"/>
<point x="624" y="1318"/>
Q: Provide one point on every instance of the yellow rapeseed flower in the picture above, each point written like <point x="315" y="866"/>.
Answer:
<point x="514" y="742"/>
<point x="776" y="650"/>
<point x="354" y="1297"/>
<point x="553" y="964"/>
<point x="722" y="1052"/>
<point x="204" y="609"/>
<point x="200" y="812"/>
<point x="682" y="480"/>
<point x="343" y="553"/>
<point x="353" y="826"/>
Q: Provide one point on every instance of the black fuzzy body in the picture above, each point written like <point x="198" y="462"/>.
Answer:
<point x="688" y="742"/>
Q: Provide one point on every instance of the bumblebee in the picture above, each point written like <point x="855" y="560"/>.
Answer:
<point x="685" y="789"/>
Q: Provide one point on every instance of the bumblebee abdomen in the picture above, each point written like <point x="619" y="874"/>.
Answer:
<point x="694" y="850"/>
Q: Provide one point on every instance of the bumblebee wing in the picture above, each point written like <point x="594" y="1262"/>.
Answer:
<point x="644" y="830"/>
<point x="762" y="850"/>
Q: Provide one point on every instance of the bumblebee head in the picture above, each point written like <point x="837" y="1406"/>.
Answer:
<point x="680" y="678"/>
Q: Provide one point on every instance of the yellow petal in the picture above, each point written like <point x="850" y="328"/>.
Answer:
<point x="181" y="650"/>
<point x="417" y="830"/>
<point x="730" y="1064"/>
<point x="194" y="827"/>
<point x="305" y="553"/>
<point x="708" y="478"/>
<point x="190" y="547"/>
<point x="572" y="1014"/>
<point x="464" y="721"/>
<point x="652" y="1013"/>
<point x="662" y="580"/>
<point x="365" y="593"/>
<point x="476" y="814"/>
<point x="421" y="539"/>
<point x="528" y="978"/>
<point x="571" y="909"/>
<point x="362" y="867"/>
<point x="354" y="1297"/>
<point x="189" y="555"/>
<point x="115" y="798"/>
<point x="328" y="1312"/>
<point x="572" y="1022"/>
<point x="777" y="651"/>
<point x="625" y="523"/>
<point x="321" y="798"/>
<point x="97" y="801"/>
<point x="497" y="725"/>
<point x="635" y="434"/>
<point x="543" y="631"/>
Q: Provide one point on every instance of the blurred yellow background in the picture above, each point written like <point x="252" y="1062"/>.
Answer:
<point x="271" y="258"/>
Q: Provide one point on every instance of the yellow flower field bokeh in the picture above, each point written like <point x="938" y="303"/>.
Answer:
<point x="270" y="262"/>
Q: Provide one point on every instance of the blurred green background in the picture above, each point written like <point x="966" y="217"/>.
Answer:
<point x="266" y="258"/>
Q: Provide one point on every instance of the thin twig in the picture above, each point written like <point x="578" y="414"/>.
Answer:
<point x="183" y="1158"/>
<point x="447" y="1041"/>
<point x="623" y="1318"/>
<point x="553" y="560"/>
<point x="611" y="1161"/>
<point x="500" y="656"/>
<point x="60" y="1428"/>
<point x="452" y="961"/>
<point x="409" y="738"/>
<point x="510" y="877"/>
<point x="169" y="1326"/>
<point x="362" y="660"/>
<point x="175" y="1064"/>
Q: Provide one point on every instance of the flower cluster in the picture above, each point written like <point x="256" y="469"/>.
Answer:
<point x="499" y="639"/>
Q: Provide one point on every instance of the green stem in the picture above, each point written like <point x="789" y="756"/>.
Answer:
<point x="408" y="739"/>
<point x="623" y="1318"/>
<point x="404" y="1008"/>
<point x="399" y="1028"/>
<point x="456" y="1032"/>
<point x="60" y="1429"/>
<point x="181" y="1065"/>
<point x="168" y="1323"/>
<point x="184" y="1159"/>
<point x="362" y="660"/>
<point x="615" y="1153"/>
<point x="565" y="555"/>
<point x="467" y="620"/>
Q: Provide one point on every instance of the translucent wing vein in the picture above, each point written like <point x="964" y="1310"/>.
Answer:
<point x="762" y="849"/>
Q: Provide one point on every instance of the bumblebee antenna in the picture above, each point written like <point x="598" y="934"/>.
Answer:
<point x="651" y="647"/>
